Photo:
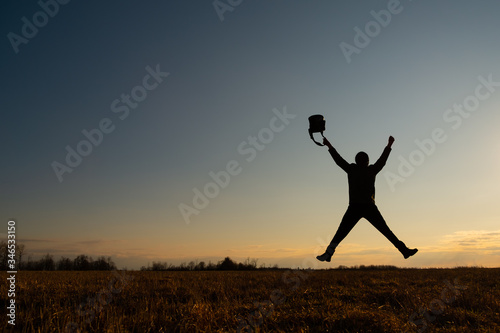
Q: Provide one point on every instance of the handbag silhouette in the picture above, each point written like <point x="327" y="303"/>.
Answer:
<point x="317" y="124"/>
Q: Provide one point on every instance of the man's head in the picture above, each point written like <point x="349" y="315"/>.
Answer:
<point x="362" y="159"/>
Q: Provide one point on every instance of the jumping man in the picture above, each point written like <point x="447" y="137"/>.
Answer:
<point x="361" y="178"/>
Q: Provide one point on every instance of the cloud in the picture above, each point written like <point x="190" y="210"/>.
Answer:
<point x="472" y="239"/>
<point x="35" y="240"/>
<point x="72" y="247"/>
<point x="264" y="251"/>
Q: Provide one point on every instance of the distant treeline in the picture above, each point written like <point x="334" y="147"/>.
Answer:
<point x="47" y="262"/>
<point x="224" y="265"/>
<point x="80" y="263"/>
<point x="369" y="267"/>
<point x="102" y="263"/>
<point x="229" y="265"/>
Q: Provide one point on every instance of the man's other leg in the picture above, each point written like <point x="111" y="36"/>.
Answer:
<point x="372" y="214"/>
<point x="351" y="217"/>
<point x="375" y="218"/>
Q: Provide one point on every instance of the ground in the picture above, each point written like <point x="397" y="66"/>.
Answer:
<point x="405" y="300"/>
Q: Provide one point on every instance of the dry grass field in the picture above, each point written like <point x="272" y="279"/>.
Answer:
<point x="431" y="300"/>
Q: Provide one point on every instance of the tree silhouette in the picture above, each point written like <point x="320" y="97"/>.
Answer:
<point x="227" y="265"/>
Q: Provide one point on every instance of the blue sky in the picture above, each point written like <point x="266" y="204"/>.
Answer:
<point x="227" y="79"/>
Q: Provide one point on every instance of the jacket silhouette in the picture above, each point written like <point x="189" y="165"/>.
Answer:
<point x="361" y="178"/>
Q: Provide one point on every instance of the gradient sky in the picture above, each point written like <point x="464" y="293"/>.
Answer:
<point x="227" y="73"/>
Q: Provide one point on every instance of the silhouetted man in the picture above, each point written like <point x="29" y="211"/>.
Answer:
<point x="361" y="177"/>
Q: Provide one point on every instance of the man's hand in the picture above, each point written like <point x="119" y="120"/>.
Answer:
<point x="390" y="142"/>
<point x="327" y="143"/>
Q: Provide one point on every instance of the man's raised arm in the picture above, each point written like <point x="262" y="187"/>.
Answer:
<point x="336" y="157"/>
<point x="385" y="155"/>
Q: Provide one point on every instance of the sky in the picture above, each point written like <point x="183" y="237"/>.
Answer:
<point x="177" y="130"/>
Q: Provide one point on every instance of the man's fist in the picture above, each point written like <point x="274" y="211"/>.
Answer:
<point x="391" y="140"/>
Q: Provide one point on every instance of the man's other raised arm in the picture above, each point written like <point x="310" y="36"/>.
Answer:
<point x="385" y="155"/>
<point x="336" y="156"/>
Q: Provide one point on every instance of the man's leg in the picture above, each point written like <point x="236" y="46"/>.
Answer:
<point x="351" y="217"/>
<point x="375" y="218"/>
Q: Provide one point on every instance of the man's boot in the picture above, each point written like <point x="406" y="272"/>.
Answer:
<point x="405" y="251"/>
<point x="327" y="256"/>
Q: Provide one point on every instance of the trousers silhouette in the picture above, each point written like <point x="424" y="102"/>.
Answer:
<point x="368" y="211"/>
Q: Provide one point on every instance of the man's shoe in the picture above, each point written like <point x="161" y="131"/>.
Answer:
<point x="325" y="257"/>
<point x="409" y="252"/>
<point x="405" y="251"/>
